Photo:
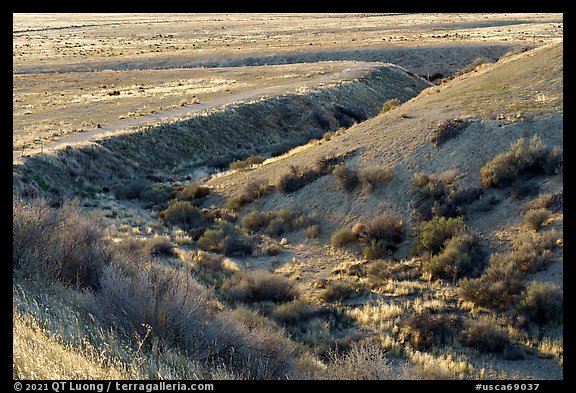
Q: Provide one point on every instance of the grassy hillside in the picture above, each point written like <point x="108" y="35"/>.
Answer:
<point x="424" y="242"/>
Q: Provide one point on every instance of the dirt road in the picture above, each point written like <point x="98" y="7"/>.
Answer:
<point x="357" y="70"/>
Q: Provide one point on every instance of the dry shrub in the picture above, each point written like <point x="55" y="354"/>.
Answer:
<point x="460" y="257"/>
<point x="522" y="159"/>
<point x="250" y="161"/>
<point x="294" y="312"/>
<point x="161" y="246"/>
<point x="258" y="286"/>
<point x="346" y="178"/>
<point x="542" y="303"/>
<point x="183" y="214"/>
<point x="485" y="335"/>
<point x="337" y="291"/>
<point x="390" y="104"/>
<point x="365" y="360"/>
<point x="208" y="261"/>
<point x="537" y="218"/>
<point x="192" y="191"/>
<point x="255" y="219"/>
<point x="298" y="177"/>
<point x="61" y="243"/>
<point x="447" y="130"/>
<point x="373" y="176"/>
<point x="313" y="231"/>
<point x="551" y="201"/>
<point x="342" y="237"/>
<point x="212" y="240"/>
<point x="427" y="329"/>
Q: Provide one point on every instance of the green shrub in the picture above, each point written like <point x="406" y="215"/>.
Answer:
<point x="346" y="178"/>
<point x="212" y="240"/>
<point x="184" y="214"/>
<point x="537" y="218"/>
<point x="460" y="257"/>
<point x="435" y="232"/>
<point x="342" y="237"/>
<point x="522" y="159"/>
<point x="259" y="285"/>
<point x="157" y="194"/>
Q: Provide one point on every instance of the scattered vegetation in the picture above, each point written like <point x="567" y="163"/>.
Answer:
<point x="485" y="335"/>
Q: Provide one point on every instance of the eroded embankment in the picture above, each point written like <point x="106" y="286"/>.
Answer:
<point x="268" y="126"/>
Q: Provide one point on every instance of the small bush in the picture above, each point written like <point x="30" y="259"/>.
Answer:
<point x="234" y="203"/>
<point x="132" y="188"/>
<point x="542" y="303"/>
<point x="537" y="218"/>
<point x="435" y="232"/>
<point x="427" y="329"/>
<point x="387" y="226"/>
<point x="184" y="214"/>
<point x="500" y="286"/>
<point x="313" y="231"/>
<point x="192" y="191"/>
<point x="375" y="249"/>
<point x="58" y="243"/>
<point x="213" y="262"/>
<point x="485" y="335"/>
<point x="522" y="159"/>
<point x="250" y="161"/>
<point x="293" y="312"/>
<point x="256" y="189"/>
<point x="212" y="240"/>
<point x="327" y="136"/>
<point x="460" y="257"/>
<point x="298" y="177"/>
<point x="390" y="104"/>
<point x="259" y="285"/>
<point x="553" y="202"/>
<point x="157" y="194"/>
<point x="234" y="246"/>
<point x="161" y="246"/>
<point x="447" y="130"/>
<point x="255" y="219"/>
<point x="337" y="291"/>
<point x="346" y="178"/>
<point x="373" y="176"/>
<point x="342" y="237"/>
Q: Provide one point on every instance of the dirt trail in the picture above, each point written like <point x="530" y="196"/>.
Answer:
<point x="356" y="71"/>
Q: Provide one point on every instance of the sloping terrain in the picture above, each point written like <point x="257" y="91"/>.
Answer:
<point x="410" y="235"/>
